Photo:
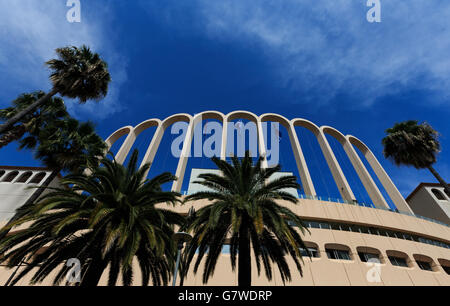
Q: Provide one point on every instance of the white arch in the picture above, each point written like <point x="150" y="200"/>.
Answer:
<point x="364" y="175"/>
<point x="302" y="167"/>
<point x="385" y="180"/>
<point x="240" y="114"/>
<point x="339" y="178"/>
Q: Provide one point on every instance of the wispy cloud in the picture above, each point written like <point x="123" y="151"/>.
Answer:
<point x="31" y="30"/>
<point x="326" y="49"/>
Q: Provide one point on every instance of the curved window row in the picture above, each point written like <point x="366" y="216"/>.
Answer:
<point x="23" y="178"/>
<point x="373" y="231"/>
<point x="336" y="251"/>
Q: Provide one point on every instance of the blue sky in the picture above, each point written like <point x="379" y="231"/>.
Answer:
<point x="315" y="59"/>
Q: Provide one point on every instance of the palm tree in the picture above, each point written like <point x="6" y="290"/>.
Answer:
<point x="244" y="212"/>
<point x="412" y="144"/>
<point x="53" y="109"/>
<point x="77" y="73"/>
<point x="62" y="145"/>
<point x="108" y="218"/>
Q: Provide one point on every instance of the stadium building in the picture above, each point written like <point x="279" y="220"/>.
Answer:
<point x="385" y="242"/>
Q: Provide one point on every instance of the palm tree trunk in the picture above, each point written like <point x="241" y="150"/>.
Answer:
<point x="440" y="179"/>
<point x="244" y="262"/>
<point x="14" y="134"/>
<point x="6" y="126"/>
<point x="22" y="210"/>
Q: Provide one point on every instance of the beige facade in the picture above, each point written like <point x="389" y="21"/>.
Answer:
<point x="323" y="271"/>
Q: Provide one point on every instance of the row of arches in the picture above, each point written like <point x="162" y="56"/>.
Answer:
<point x="349" y="143"/>
<point x="14" y="177"/>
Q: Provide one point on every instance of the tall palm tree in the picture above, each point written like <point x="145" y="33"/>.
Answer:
<point x="109" y="218"/>
<point x="412" y="144"/>
<point x="53" y="109"/>
<point x="245" y="212"/>
<point x="76" y="73"/>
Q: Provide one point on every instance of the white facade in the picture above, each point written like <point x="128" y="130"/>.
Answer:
<point x="17" y="185"/>
<point x="431" y="201"/>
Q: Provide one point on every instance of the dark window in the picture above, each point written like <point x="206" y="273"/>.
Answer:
<point x="335" y="226"/>
<point x="2" y="172"/>
<point x="447" y="193"/>
<point x="345" y="227"/>
<point x="325" y="225"/>
<point x="312" y="251"/>
<point x="438" y="194"/>
<point x="11" y="176"/>
<point x="337" y="254"/>
<point x="37" y="178"/>
<point x="446" y="269"/>
<point x="24" y="177"/>
<point x="354" y="228"/>
<point x="398" y="261"/>
<point x="314" y="224"/>
<point x="424" y="265"/>
<point x="364" y="230"/>
<point x="365" y="257"/>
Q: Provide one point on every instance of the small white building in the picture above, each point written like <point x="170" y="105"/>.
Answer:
<point x="17" y="185"/>
<point x="430" y="200"/>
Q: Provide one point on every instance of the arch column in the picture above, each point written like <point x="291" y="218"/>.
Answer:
<point x="185" y="153"/>
<point x="302" y="167"/>
<point x="223" y="148"/>
<point x="153" y="148"/>
<point x="261" y="144"/>
<point x="385" y="180"/>
<point x="339" y="178"/>
<point x="364" y="175"/>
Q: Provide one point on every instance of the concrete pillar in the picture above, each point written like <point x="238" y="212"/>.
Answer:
<point x="185" y="153"/>
<point x="339" y="178"/>
<point x="364" y="175"/>
<point x="305" y="177"/>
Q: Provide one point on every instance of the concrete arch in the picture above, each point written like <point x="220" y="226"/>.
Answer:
<point x="347" y="141"/>
<point x="185" y="153"/>
<point x="153" y="147"/>
<point x="241" y="114"/>
<point x="126" y="130"/>
<point x="381" y="174"/>
<point x="302" y="166"/>
<point x="364" y="175"/>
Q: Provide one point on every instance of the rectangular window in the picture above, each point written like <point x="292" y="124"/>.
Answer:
<point x="335" y="227"/>
<point x="338" y="254"/>
<point x="345" y="227"/>
<point x="424" y="265"/>
<point x="314" y="224"/>
<point x="312" y="251"/>
<point x="398" y="261"/>
<point x="325" y="225"/>
<point x="365" y="257"/>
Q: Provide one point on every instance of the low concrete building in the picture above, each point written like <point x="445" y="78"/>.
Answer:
<point x="18" y="184"/>
<point x="430" y="200"/>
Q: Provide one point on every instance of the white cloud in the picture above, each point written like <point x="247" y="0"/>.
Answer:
<point x="31" y="30"/>
<point x="323" y="48"/>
